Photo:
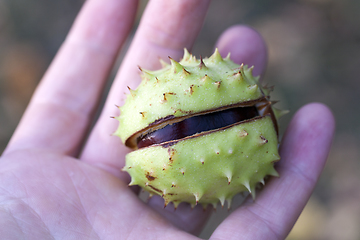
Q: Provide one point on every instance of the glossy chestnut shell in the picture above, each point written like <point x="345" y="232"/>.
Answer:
<point x="197" y="124"/>
<point x="201" y="123"/>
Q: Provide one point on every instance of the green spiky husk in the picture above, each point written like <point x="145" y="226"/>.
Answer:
<point x="212" y="166"/>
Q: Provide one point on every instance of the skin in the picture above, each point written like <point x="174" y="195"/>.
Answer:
<point x="57" y="184"/>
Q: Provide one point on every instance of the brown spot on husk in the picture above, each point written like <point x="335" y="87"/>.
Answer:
<point x="155" y="189"/>
<point x="149" y="177"/>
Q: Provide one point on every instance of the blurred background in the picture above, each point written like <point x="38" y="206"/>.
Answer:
<point x="314" y="55"/>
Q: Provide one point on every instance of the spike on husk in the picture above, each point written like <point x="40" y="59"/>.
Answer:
<point x="145" y="75"/>
<point x="216" y="57"/>
<point x="187" y="56"/>
<point x="279" y="113"/>
<point x="163" y="63"/>
<point x="176" y="67"/>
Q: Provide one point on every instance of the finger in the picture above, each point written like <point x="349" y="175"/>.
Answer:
<point x="246" y="46"/>
<point x="304" y="150"/>
<point x="165" y="29"/>
<point x="61" y="108"/>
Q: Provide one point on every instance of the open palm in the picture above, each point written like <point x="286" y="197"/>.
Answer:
<point x="61" y="180"/>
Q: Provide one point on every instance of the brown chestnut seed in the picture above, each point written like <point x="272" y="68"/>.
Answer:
<point x="197" y="124"/>
<point x="184" y="127"/>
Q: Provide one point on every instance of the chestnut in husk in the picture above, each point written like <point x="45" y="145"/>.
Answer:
<point x="202" y="131"/>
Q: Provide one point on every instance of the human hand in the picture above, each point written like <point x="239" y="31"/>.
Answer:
<point x="55" y="182"/>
